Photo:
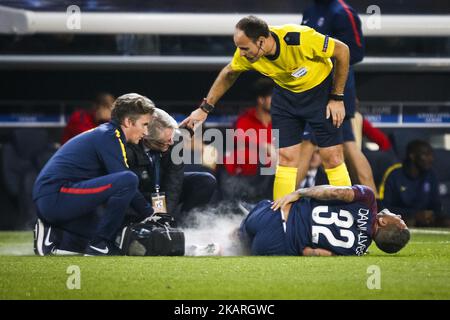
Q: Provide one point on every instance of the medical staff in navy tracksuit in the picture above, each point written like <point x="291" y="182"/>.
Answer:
<point x="90" y="171"/>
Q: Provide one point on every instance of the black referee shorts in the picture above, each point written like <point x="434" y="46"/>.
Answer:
<point x="292" y="111"/>
<point x="347" y="132"/>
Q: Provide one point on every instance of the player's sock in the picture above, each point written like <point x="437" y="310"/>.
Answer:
<point x="285" y="179"/>
<point x="339" y="176"/>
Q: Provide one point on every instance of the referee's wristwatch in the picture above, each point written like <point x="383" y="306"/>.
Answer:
<point x="205" y="106"/>
<point x="336" y="96"/>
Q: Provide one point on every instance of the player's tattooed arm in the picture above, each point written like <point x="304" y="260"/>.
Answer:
<point x="325" y="192"/>
<point x="317" y="252"/>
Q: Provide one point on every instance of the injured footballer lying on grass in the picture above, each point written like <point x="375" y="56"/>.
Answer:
<point x="318" y="221"/>
<point x="322" y="221"/>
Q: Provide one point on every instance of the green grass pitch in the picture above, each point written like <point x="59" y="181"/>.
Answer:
<point x="420" y="271"/>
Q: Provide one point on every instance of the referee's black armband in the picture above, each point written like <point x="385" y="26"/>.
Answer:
<point x="205" y="106"/>
<point x="337" y="97"/>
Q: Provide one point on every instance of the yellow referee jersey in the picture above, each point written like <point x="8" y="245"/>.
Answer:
<point x="301" y="62"/>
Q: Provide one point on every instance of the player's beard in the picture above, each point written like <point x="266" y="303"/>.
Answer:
<point x="266" y="108"/>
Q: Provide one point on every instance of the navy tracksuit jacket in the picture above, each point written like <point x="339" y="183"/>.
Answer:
<point x="87" y="172"/>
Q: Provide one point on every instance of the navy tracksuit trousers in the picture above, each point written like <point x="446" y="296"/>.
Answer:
<point x="74" y="207"/>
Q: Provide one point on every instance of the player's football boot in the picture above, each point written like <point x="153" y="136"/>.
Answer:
<point x="101" y="248"/>
<point x="46" y="238"/>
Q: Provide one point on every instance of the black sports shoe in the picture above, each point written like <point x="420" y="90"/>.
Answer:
<point x="101" y="248"/>
<point x="45" y="238"/>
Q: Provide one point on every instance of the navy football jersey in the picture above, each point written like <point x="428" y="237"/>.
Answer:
<point x="340" y="227"/>
<point x="340" y="21"/>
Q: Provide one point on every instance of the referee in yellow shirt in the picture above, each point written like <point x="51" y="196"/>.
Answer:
<point x="298" y="59"/>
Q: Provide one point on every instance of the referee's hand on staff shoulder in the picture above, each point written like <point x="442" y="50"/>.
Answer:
<point x="336" y="110"/>
<point x="197" y="117"/>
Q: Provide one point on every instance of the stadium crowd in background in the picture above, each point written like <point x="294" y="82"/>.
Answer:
<point x="411" y="188"/>
<point x="241" y="177"/>
<point x="256" y="120"/>
<point x="82" y="120"/>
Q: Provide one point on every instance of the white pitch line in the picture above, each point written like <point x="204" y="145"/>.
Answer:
<point x="21" y="249"/>
<point x="430" y="242"/>
<point x="429" y="231"/>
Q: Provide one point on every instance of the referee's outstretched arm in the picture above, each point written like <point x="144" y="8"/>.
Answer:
<point x="223" y="82"/>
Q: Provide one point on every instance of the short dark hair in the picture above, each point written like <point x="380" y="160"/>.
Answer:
<point x="415" y="146"/>
<point x="263" y="87"/>
<point x="131" y="105"/>
<point x="102" y="99"/>
<point x="253" y="27"/>
<point x="391" y="238"/>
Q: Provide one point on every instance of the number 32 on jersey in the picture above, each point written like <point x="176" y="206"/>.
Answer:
<point x="342" y="220"/>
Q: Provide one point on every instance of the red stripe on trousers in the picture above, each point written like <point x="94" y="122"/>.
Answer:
<point x="352" y="21"/>
<point x="85" y="191"/>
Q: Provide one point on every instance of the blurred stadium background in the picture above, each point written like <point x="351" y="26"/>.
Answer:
<point x="171" y="51"/>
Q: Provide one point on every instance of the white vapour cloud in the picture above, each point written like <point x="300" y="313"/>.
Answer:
<point x="214" y="224"/>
